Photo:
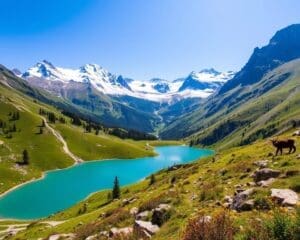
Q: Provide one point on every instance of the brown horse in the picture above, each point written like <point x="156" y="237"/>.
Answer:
<point x="280" y="144"/>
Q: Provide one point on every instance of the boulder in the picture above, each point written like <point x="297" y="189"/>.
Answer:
<point x="266" y="183"/>
<point x="114" y="232"/>
<point x="134" y="211"/>
<point x="285" y="197"/>
<point x="247" y="205"/>
<point x="161" y="214"/>
<point x="240" y="199"/>
<point x="265" y="174"/>
<point x="146" y="229"/>
<point x="142" y="215"/>
<point x="261" y="163"/>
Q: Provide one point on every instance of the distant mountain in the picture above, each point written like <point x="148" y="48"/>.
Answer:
<point x="207" y="79"/>
<point x="222" y="113"/>
<point x="284" y="46"/>
<point x="56" y="80"/>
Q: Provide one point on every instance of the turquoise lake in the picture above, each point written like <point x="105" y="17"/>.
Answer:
<point x="60" y="189"/>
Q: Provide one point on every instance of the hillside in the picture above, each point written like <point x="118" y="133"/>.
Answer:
<point x="204" y="188"/>
<point x="51" y="145"/>
<point x="257" y="78"/>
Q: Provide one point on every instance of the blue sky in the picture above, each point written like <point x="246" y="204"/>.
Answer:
<point x="140" y="38"/>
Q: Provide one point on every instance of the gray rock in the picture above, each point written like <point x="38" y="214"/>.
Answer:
<point x="240" y="199"/>
<point x="161" y="214"/>
<point x="265" y="174"/>
<point x="120" y="231"/>
<point x="228" y="199"/>
<point x="285" y="197"/>
<point x="266" y="183"/>
<point x="261" y="163"/>
<point x="134" y="211"/>
<point x="147" y="228"/>
<point x="247" y="205"/>
<point x="142" y="215"/>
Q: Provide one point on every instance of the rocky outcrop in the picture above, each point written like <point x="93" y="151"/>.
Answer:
<point x="285" y="197"/>
<point x="145" y="229"/>
<point x="142" y="215"/>
<point x="161" y="214"/>
<point x="265" y="174"/>
<point x="115" y="232"/>
<point x="240" y="201"/>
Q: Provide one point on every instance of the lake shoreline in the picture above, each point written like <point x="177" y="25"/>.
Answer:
<point x="165" y="156"/>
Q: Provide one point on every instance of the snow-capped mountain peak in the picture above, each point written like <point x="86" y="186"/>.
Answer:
<point x="196" y="84"/>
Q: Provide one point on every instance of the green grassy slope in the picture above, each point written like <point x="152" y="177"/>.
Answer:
<point x="268" y="110"/>
<point x="191" y="189"/>
<point x="263" y="116"/>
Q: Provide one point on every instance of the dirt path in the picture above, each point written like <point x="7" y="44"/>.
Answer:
<point x="65" y="145"/>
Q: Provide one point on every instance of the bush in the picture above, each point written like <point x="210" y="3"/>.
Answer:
<point x="280" y="227"/>
<point x="220" y="227"/>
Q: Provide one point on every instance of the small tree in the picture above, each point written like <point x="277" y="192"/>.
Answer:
<point x="43" y="123"/>
<point x="116" y="189"/>
<point x="25" y="157"/>
<point x="41" y="130"/>
<point x="152" y="179"/>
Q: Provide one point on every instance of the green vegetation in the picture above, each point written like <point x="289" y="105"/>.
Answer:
<point x="116" y="193"/>
<point x="193" y="191"/>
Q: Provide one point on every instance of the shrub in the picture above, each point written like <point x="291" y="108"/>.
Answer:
<point x="220" y="227"/>
<point x="280" y="227"/>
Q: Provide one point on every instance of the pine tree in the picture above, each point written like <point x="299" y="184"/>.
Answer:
<point x="152" y="179"/>
<point x="116" y="189"/>
<point x="25" y="157"/>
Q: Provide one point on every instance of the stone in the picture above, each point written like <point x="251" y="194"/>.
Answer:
<point x="266" y="183"/>
<point x="142" y="215"/>
<point x="145" y="227"/>
<point x="261" y="163"/>
<point x="227" y="199"/>
<point x="265" y="174"/>
<point x="68" y="236"/>
<point x="161" y="214"/>
<point x="296" y="133"/>
<point x="285" y="197"/>
<point x="120" y="231"/>
<point x="247" y="205"/>
<point x="134" y="211"/>
<point x="240" y="199"/>
<point x="250" y="184"/>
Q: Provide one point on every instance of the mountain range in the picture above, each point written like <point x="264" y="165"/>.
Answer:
<point x="57" y="80"/>
<point x="203" y="106"/>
